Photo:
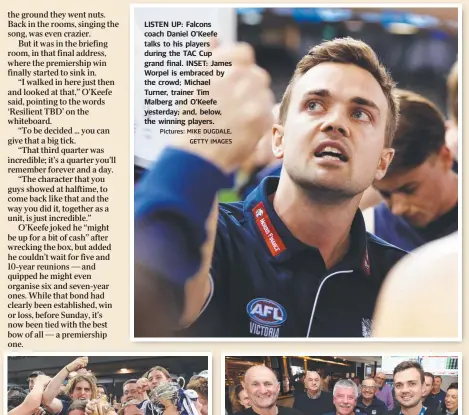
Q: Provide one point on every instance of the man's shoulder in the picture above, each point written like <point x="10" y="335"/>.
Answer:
<point x="383" y="253"/>
<point x="378" y="402"/>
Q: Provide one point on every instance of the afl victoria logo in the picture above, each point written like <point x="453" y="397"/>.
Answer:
<point x="266" y="312"/>
<point x="259" y="213"/>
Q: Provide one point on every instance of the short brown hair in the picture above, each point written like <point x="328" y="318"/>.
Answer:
<point x="420" y="133"/>
<point x="429" y="375"/>
<point x="354" y="52"/>
<point x="409" y="364"/>
<point x="78" y="378"/>
<point x="200" y="385"/>
<point x="452" y="84"/>
<point x="79" y="404"/>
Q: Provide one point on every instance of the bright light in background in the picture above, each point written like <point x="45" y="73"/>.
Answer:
<point x="402" y="29"/>
<point x="251" y="18"/>
<point x="124" y="370"/>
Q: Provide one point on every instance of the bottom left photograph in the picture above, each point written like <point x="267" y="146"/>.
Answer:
<point x="160" y="384"/>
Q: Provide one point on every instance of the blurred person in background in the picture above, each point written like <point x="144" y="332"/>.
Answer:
<point x="299" y="383"/>
<point x="337" y="122"/>
<point x="432" y="271"/>
<point x="420" y="188"/>
<point x="428" y="400"/>
<point x="367" y="402"/>
<point x="437" y="393"/>
<point x="345" y="396"/>
<point x="314" y="401"/>
<point x="383" y="390"/>
<point x="451" y="400"/>
<point x="130" y="391"/>
<point x="263" y="388"/>
<point x="239" y="399"/>
<point x="356" y="380"/>
<point x="102" y="392"/>
<point x="21" y="403"/>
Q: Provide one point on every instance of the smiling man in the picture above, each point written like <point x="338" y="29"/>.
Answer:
<point x="409" y="387"/>
<point x="420" y="188"/>
<point x="263" y="387"/>
<point x="345" y="398"/>
<point x="287" y="260"/>
<point x="368" y="403"/>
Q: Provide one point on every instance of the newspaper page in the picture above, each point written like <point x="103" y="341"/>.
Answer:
<point x="184" y="182"/>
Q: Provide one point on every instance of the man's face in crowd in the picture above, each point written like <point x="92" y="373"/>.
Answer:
<point x="313" y="382"/>
<point x="156" y="378"/>
<point x="409" y="387"/>
<point x="451" y="399"/>
<point x="132" y="410"/>
<point x="130" y="392"/>
<point x="244" y="399"/>
<point x="368" y="388"/>
<point x="345" y="400"/>
<point x="101" y="393"/>
<point x="380" y="380"/>
<point x="341" y="106"/>
<point x="427" y="386"/>
<point x="414" y="194"/>
<point x="436" y="385"/>
<point x="356" y="381"/>
<point x="262" y="387"/>
<point x="82" y="390"/>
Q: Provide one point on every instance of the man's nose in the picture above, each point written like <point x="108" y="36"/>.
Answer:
<point x="335" y="121"/>
<point x="399" y="205"/>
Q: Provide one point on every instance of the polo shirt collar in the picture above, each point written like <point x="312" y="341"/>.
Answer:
<point x="280" y="243"/>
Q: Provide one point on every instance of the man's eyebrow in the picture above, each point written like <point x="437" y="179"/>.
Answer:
<point x="365" y="102"/>
<point x="319" y="92"/>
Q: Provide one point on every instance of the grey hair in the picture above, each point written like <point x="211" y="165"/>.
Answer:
<point x="346" y="383"/>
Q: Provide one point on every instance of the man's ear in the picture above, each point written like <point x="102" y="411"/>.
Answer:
<point x="277" y="141"/>
<point x="384" y="161"/>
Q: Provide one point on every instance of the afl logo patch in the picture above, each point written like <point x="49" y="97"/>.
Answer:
<point x="259" y="213"/>
<point x="266" y="312"/>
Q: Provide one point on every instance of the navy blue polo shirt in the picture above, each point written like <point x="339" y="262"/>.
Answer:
<point x="265" y="282"/>
<point x="396" y="230"/>
<point x="377" y="406"/>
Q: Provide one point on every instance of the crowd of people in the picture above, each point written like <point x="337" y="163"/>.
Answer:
<point x="307" y="226"/>
<point x="414" y="392"/>
<point x="74" y="390"/>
